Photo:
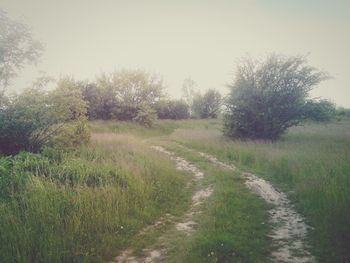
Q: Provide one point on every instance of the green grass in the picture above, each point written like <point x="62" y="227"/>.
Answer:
<point x="311" y="163"/>
<point x="160" y="128"/>
<point x="86" y="205"/>
<point x="232" y="226"/>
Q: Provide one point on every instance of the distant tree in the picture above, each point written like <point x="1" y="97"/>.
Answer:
<point x="36" y="118"/>
<point x="207" y="105"/>
<point x="101" y="100"/>
<point x="189" y="92"/>
<point x="343" y="112"/>
<point x="17" y="48"/>
<point x="172" y="109"/>
<point x="320" y="111"/>
<point x="131" y="89"/>
<point x="145" y="115"/>
<point x="268" y="97"/>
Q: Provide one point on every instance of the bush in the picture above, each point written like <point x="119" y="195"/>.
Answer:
<point x="343" y="112"/>
<point x="101" y="101"/>
<point x="125" y="112"/>
<point x="72" y="134"/>
<point x="123" y="94"/>
<point x="269" y="97"/>
<point x="207" y="105"/>
<point x="145" y="116"/>
<point x="36" y="118"/>
<point x="172" y="109"/>
<point x="320" y="111"/>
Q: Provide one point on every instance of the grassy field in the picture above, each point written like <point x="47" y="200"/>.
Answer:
<point x="233" y="224"/>
<point x="88" y="205"/>
<point x="311" y="163"/>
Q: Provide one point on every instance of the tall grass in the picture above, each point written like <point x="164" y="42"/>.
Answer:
<point x="86" y="205"/>
<point x="160" y="128"/>
<point x="232" y="225"/>
<point x="311" y="163"/>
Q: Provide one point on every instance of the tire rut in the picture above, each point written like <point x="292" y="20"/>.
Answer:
<point x="186" y="225"/>
<point x="289" y="231"/>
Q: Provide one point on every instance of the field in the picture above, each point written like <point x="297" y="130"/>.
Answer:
<point x="311" y="164"/>
<point x="91" y="204"/>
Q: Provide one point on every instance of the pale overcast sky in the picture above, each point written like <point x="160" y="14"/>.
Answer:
<point x="186" y="38"/>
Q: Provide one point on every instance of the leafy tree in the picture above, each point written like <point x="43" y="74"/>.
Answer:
<point x="145" y="115"/>
<point x="268" y="97"/>
<point x="101" y="100"/>
<point x="320" y="111"/>
<point x="172" y="109"/>
<point x="207" y="105"/>
<point x="36" y="118"/>
<point x="343" y="112"/>
<point x="131" y="89"/>
<point x="17" y="48"/>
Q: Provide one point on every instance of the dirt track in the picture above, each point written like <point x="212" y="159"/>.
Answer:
<point x="289" y="230"/>
<point x="185" y="225"/>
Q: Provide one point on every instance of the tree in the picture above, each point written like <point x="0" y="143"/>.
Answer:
<point x="17" y="48"/>
<point x="172" y="109"/>
<point x="145" y="115"/>
<point x="37" y="117"/>
<point x="207" y="105"/>
<point x="319" y="111"/>
<point x="101" y="100"/>
<point x="189" y="92"/>
<point x="268" y="97"/>
<point x="131" y="89"/>
<point x="343" y="112"/>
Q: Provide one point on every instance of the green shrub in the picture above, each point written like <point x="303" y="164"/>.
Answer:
<point x="86" y="205"/>
<point x="343" y="112"/>
<point x="36" y="118"/>
<point x="207" y="105"/>
<point x="320" y="111"/>
<point x="269" y="97"/>
<point x="172" y="109"/>
<point x="145" y="116"/>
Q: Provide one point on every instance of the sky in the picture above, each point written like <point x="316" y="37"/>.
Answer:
<point x="198" y="39"/>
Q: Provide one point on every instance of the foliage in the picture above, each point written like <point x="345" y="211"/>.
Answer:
<point x="269" y="97"/>
<point x="83" y="206"/>
<point x="189" y="92"/>
<point x="311" y="164"/>
<point x="145" y="116"/>
<point x="321" y="111"/>
<point x="37" y="117"/>
<point x="122" y="94"/>
<point x="17" y="48"/>
<point x="172" y="109"/>
<point x="343" y="112"/>
<point x="130" y="90"/>
<point x="207" y="105"/>
<point x="101" y="100"/>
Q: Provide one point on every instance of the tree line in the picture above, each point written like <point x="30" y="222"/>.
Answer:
<point x="140" y="96"/>
<point x="266" y="98"/>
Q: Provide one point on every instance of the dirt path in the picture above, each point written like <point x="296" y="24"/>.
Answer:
<point x="186" y="225"/>
<point x="289" y="230"/>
